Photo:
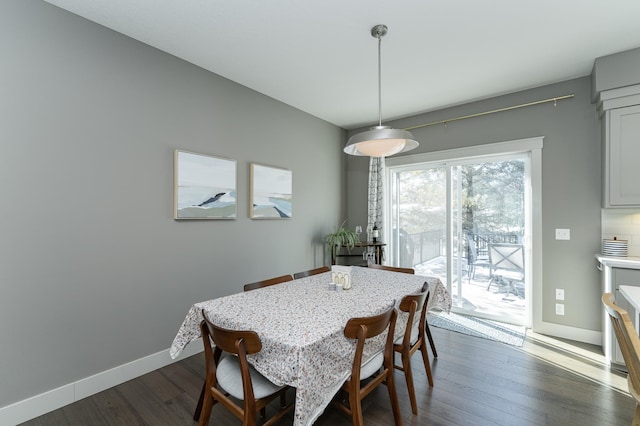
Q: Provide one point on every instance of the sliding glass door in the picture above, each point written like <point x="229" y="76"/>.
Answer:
<point x="465" y="221"/>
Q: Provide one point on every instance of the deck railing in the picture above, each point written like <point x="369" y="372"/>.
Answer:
<point x="427" y="245"/>
<point x="482" y="241"/>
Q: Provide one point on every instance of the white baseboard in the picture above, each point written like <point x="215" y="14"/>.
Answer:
<point x="571" y="333"/>
<point x="43" y="403"/>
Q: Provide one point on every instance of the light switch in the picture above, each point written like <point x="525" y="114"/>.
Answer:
<point x="563" y="234"/>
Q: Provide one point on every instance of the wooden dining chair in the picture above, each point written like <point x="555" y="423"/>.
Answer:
<point x="426" y="324"/>
<point x="414" y="340"/>
<point x="247" y="287"/>
<point x="378" y="370"/>
<point x="267" y="283"/>
<point x="311" y="272"/>
<point x="392" y="268"/>
<point x="629" y="343"/>
<point x="233" y="376"/>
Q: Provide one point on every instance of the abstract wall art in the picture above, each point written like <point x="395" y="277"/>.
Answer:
<point x="271" y="192"/>
<point x="204" y="187"/>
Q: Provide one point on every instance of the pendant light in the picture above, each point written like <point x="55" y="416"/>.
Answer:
<point x="380" y="141"/>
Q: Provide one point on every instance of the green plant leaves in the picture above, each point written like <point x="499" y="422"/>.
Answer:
<point x="341" y="237"/>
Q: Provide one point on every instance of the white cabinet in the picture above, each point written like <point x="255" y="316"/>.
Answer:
<point x="622" y="157"/>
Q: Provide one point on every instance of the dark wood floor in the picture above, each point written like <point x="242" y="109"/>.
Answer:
<point x="477" y="382"/>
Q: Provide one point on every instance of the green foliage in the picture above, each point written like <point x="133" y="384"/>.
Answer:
<point x="492" y="198"/>
<point x="341" y="237"/>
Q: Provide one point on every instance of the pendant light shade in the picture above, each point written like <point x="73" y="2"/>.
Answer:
<point x="380" y="141"/>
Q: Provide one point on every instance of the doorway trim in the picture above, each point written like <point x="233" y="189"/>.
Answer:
<point x="533" y="146"/>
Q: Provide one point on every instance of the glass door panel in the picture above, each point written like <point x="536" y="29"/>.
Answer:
<point x="447" y="220"/>
<point x="418" y="218"/>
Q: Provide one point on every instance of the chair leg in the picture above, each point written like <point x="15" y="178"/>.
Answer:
<point x="427" y="365"/>
<point x="393" y="396"/>
<point x="355" y="405"/>
<point x="430" y="338"/>
<point x="408" y="376"/>
<point x="490" y="281"/>
<point x="196" y="414"/>
<point x="206" y="410"/>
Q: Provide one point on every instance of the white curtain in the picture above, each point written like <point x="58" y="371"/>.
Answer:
<point x="376" y="178"/>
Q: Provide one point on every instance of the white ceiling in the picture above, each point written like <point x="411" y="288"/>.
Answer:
<point x="319" y="56"/>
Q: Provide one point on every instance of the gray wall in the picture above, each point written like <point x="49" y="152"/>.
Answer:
<point x="570" y="182"/>
<point x="94" y="271"/>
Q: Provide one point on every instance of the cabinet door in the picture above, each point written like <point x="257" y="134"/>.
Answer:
<point x="622" y="170"/>
<point x="625" y="276"/>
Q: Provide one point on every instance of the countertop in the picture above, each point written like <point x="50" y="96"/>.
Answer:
<point x="629" y="262"/>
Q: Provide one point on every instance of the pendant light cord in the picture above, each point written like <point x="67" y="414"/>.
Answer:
<point x="379" y="80"/>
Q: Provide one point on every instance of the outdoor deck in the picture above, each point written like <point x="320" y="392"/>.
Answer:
<point x="494" y="303"/>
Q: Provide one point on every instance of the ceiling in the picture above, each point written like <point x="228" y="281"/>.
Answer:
<point x="319" y="55"/>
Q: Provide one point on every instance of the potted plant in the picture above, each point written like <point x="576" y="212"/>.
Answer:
<point x="341" y="237"/>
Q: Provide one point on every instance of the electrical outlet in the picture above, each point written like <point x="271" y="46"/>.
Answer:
<point x="559" y="309"/>
<point x="559" y="294"/>
<point x="563" y="234"/>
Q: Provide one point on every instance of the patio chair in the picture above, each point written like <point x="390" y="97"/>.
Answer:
<point x="474" y="260"/>
<point x="507" y="266"/>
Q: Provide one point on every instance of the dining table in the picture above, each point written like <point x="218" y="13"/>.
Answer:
<point x="301" y="323"/>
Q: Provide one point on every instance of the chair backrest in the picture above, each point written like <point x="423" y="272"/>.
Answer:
<point x="366" y="327"/>
<point x="231" y="340"/>
<point x="414" y="303"/>
<point x="509" y="257"/>
<point x="392" y="268"/>
<point x="628" y="341"/>
<point x="472" y="254"/>
<point x="267" y="283"/>
<point x="311" y="272"/>
<point x="419" y="300"/>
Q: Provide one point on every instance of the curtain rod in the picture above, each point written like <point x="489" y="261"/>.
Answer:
<point x="464" y="117"/>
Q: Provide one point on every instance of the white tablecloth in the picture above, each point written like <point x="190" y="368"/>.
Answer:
<point x="301" y="323"/>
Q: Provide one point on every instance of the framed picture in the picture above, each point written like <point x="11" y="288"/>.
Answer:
<point x="204" y="187"/>
<point x="271" y="192"/>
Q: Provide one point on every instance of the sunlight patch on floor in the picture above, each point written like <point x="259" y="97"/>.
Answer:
<point x="585" y="360"/>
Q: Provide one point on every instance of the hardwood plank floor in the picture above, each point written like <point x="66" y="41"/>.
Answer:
<point x="477" y="382"/>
